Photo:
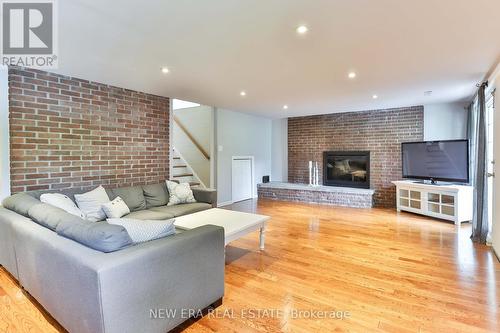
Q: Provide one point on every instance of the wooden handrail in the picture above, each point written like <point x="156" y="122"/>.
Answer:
<point x="193" y="140"/>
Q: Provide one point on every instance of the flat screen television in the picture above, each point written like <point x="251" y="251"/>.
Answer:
<point x="436" y="160"/>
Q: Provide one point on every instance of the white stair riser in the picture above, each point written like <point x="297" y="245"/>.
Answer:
<point x="185" y="179"/>
<point x="178" y="171"/>
<point x="178" y="162"/>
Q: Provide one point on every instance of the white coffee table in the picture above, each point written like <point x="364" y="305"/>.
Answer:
<point x="235" y="224"/>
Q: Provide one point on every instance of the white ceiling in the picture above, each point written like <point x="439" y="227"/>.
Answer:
<point x="214" y="49"/>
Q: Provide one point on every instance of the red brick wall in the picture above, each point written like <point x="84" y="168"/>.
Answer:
<point x="66" y="132"/>
<point x="379" y="131"/>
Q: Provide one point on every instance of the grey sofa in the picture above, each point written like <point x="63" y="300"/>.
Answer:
<point x="127" y="290"/>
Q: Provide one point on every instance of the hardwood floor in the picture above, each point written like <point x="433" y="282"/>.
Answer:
<point x="382" y="271"/>
<point x="19" y="312"/>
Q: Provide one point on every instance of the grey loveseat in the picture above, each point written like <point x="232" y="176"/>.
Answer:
<point x="148" y="287"/>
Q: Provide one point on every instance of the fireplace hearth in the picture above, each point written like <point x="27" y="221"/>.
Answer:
<point x="346" y="168"/>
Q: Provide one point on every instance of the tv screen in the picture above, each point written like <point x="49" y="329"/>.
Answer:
<point x="437" y="160"/>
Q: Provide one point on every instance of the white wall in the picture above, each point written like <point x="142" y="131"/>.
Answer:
<point x="240" y="134"/>
<point x="446" y="121"/>
<point x="495" y="233"/>
<point x="279" y="150"/>
<point x="4" y="135"/>
<point x="199" y="123"/>
<point x="198" y="120"/>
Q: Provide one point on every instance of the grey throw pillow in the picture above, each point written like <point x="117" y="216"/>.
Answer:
<point x="145" y="230"/>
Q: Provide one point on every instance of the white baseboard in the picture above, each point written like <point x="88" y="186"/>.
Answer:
<point x="225" y="203"/>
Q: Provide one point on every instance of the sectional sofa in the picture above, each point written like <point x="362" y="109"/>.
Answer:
<point x="146" y="287"/>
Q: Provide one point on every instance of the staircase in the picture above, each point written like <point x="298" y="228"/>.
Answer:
<point x="182" y="172"/>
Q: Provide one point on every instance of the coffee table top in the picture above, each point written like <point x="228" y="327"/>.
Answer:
<point x="233" y="222"/>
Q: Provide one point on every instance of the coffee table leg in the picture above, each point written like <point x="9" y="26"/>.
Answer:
<point x="262" y="237"/>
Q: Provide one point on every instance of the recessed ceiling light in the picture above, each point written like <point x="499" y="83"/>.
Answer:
<point x="302" y="29"/>
<point x="285" y="107"/>
<point x="165" y="70"/>
<point x="375" y="96"/>
<point x="351" y="75"/>
<point x="243" y="93"/>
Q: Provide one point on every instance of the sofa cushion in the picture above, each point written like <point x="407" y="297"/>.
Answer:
<point x="91" y="203"/>
<point x="133" y="197"/>
<point x="20" y="203"/>
<point x="207" y="195"/>
<point x="63" y="202"/>
<point x="183" y="209"/>
<point x="149" y="214"/>
<point x="70" y="192"/>
<point x="100" y="236"/>
<point x="50" y="216"/>
<point x="145" y="230"/>
<point x="156" y="195"/>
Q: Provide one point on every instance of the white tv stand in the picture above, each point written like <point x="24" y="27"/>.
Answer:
<point x="448" y="202"/>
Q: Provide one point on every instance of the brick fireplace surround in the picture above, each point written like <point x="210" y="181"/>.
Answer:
<point x="379" y="131"/>
<point x="67" y="132"/>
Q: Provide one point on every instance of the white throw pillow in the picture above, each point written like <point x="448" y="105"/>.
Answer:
<point x="145" y="230"/>
<point x="116" y="208"/>
<point x="91" y="203"/>
<point x="179" y="193"/>
<point x="63" y="202"/>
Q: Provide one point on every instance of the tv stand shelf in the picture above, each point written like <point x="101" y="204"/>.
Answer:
<point x="448" y="202"/>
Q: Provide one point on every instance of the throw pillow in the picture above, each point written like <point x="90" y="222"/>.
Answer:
<point x="145" y="230"/>
<point x="179" y="193"/>
<point x="91" y="203"/>
<point x="116" y="208"/>
<point x="63" y="202"/>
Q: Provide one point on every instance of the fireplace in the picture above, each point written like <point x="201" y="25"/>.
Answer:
<point x="346" y="168"/>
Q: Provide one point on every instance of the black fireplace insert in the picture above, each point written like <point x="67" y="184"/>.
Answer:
<point x="346" y="168"/>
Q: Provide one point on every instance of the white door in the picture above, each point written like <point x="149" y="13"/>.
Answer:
<point x="242" y="179"/>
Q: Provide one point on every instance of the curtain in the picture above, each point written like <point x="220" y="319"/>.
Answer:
<point x="478" y="143"/>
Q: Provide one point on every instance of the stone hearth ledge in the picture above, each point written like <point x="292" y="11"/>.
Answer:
<point x="331" y="195"/>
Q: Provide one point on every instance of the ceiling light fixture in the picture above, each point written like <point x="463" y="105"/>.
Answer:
<point x="302" y="29"/>
<point x="428" y="93"/>
<point x="351" y="75"/>
<point x="243" y="93"/>
<point x="285" y="107"/>
<point x="165" y="70"/>
<point x="375" y="96"/>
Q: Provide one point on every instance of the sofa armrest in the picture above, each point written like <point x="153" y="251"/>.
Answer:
<point x="206" y="195"/>
<point x="7" y="251"/>
<point x="140" y="283"/>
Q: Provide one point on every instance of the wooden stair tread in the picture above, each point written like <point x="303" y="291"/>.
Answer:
<point x="184" y="175"/>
